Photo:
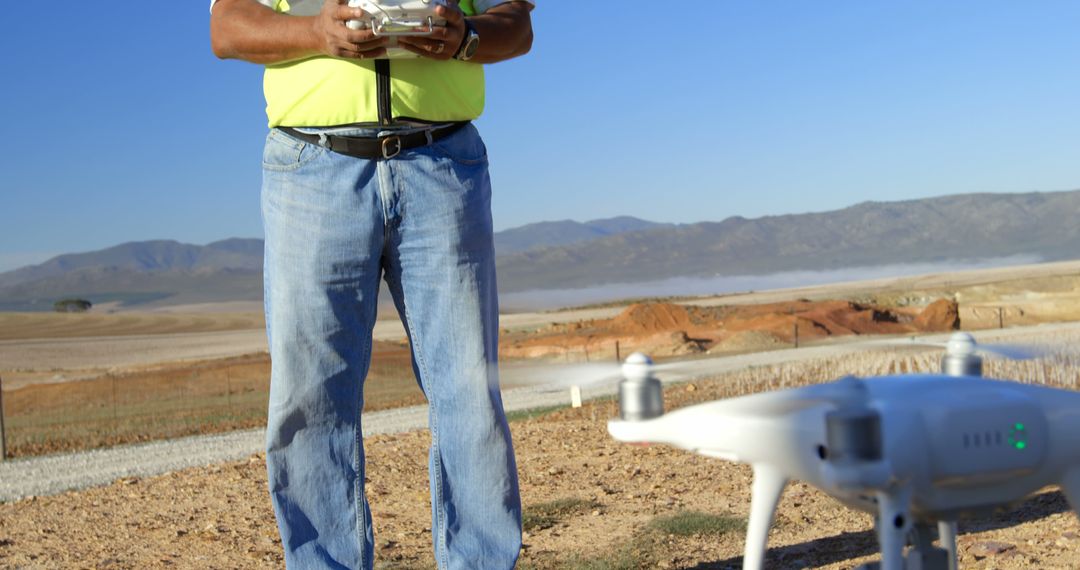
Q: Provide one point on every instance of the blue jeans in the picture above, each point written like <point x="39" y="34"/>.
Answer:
<point x="334" y="225"/>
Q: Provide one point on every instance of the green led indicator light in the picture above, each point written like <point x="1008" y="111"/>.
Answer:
<point x="1018" y="436"/>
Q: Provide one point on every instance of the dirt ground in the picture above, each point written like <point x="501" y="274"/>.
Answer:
<point x="589" y="502"/>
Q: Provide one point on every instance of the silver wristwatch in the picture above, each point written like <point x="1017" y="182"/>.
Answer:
<point x="469" y="45"/>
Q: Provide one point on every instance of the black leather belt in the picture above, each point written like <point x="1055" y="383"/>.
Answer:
<point x="376" y="147"/>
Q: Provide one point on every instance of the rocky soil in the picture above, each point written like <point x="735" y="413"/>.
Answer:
<point x="590" y="502"/>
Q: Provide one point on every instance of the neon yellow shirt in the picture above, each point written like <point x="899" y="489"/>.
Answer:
<point x="326" y="91"/>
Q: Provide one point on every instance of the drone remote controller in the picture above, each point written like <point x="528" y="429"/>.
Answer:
<point x="397" y="17"/>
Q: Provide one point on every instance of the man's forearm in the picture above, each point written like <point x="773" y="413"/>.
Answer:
<point x="247" y="30"/>
<point x="505" y="32"/>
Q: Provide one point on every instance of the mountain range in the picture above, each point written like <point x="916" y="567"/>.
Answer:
<point x="569" y="254"/>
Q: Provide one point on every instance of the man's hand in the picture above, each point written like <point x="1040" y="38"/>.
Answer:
<point x="505" y="32"/>
<point x="247" y="30"/>
<point x="445" y="41"/>
<point x="338" y="40"/>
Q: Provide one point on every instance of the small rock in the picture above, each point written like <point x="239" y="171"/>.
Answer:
<point x="990" y="548"/>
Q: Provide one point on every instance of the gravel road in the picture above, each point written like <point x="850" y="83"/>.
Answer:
<point x="58" y="473"/>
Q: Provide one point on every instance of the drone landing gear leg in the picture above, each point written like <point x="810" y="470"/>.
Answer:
<point x="1070" y="484"/>
<point x="765" y="494"/>
<point x="893" y="525"/>
<point x="947" y="538"/>
<point x="923" y="554"/>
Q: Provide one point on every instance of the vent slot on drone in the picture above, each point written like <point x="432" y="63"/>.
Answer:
<point x="984" y="439"/>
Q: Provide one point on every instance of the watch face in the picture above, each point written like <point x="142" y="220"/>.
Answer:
<point x="471" y="45"/>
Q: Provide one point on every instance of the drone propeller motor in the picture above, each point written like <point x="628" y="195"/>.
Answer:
<point x="961" y="356"/>
<point x="641" y="396"/>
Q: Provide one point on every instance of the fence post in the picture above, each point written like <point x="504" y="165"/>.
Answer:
<point x="228" y="387"/>
<point x="618" y="357"/>
<point x="116" y="423"/>
<point x="794" y="327"/>
<point x="3" y="437"/>
<point x="1001" y="318"/>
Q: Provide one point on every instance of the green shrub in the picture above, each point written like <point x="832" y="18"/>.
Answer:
<point x="691" y="523"/>
<point x="72" y="306"/>
<point x="545" y="515"/>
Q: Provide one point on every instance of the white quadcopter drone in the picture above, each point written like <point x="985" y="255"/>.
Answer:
<point x="917" y="451"/>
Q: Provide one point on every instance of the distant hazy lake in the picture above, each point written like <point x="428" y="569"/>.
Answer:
<point x="720" y="284"/>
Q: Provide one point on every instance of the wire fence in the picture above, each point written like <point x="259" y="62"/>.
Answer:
<point x="181" y="400"/>
<point x="139" y="406"/>
<point x="169" y="401"/>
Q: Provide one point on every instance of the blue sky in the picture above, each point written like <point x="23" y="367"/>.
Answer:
<point x="122" y="126"/>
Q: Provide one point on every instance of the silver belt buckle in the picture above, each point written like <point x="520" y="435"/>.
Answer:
<point x="391" y="147"/>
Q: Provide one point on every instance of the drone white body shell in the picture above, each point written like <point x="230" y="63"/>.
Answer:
<point x="950" y="447"/>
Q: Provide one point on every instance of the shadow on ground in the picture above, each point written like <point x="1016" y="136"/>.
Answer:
<point x="845" y="546"/>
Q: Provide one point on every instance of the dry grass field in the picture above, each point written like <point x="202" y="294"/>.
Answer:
<point x="172" y="400"/>
<point x="151" y="393"/>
